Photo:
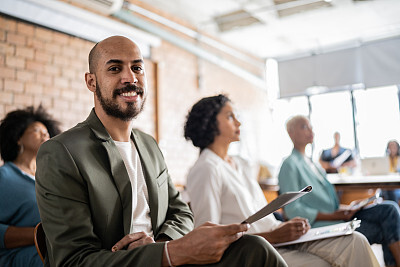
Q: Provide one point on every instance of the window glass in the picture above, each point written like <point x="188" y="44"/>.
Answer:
<point x="331" y="113"/>
<point x="378" y="119"/>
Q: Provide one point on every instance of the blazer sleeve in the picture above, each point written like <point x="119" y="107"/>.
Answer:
<point x="63" y="201"/>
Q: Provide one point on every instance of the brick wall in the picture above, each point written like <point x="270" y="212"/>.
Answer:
<point x="38" y="65"/>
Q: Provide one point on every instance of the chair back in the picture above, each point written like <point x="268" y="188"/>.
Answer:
<point x="40" y="241"/>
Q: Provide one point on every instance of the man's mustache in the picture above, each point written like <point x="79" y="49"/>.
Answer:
<point x="127" y="89"/>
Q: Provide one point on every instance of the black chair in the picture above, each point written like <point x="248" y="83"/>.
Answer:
<point x="40" y="241"/>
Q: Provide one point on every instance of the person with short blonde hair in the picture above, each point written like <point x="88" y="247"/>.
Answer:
<point x="379" y="223"/>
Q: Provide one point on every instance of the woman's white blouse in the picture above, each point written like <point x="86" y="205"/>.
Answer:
<point x="221" y="194"/>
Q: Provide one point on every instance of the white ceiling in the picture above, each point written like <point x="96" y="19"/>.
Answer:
<point x="345" y="21"/>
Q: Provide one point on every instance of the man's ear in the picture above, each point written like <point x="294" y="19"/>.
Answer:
<point x="90" y="79"/>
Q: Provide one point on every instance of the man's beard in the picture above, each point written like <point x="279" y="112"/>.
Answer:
<point x="111" y="107"/>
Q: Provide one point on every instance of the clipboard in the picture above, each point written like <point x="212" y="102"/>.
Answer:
<point x="279" y="202"/>
<point x="339" y="229"/>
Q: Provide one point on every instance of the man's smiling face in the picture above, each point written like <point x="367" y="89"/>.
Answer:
<point x="120" y="78"/>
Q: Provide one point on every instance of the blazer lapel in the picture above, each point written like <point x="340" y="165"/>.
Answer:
<point x="150" y="177"/>
<point x="118" y="169"/>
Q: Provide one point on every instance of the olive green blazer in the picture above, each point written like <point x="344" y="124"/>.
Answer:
<point x="85" y="198"/>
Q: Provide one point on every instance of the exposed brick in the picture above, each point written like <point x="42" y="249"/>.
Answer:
<point x="13" y="86"/>
<point x="32" y="88"/>
<point x="45" y="101"/>
<point x="51" y="91"/>
<point x="43" y="34"/>
<point x="25" y="29"/>
<point x="52" y="48"/>
<point x="23" y="99"/>
<point x="7" y="49"/>
<point x="86" y="94"/>
<point x="7" y="73"/>
<point x="43" y="56"/>
<point x="44" y="79"/>
<point x="15" y="62"/>
<point x="23" y="75"/>
<point x="9" y="108"/>
<point x="14" y="38"/>
<point x="61" y="104"/>
<point x="2" y="115"/>
<point x="6" y="97"/>
<point x="60" y="60"/>
<point x="35" y="43"/>
<point x="8" y="24"/>
<point x="68" y="94"/>
<point x="79" y="107"/>
<point x="61" y="82"/>
<point x="83" y="54"/>
<point x="2" y="35"/>
<point x="69" y="51"/>
<point x="52" y="70"/>
<point x="68" y="73"/>
<point x="61" y="38"/>
<point x="79" y="85"/>
<point x="80" y="44"/>
<point x="24" y="52"/>
<point x="38" y="67"/>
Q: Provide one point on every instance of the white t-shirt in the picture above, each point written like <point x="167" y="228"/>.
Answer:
<point x="221" y="194"/>
<point x="141" y="220"/>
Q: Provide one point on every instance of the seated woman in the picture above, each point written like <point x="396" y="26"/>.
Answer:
<point x="379" y="223"/>
<point x="393" y="152"/>
<point x="21" y="134"/>
<point x="337" y="156"/>
<point x="223" y="190"/>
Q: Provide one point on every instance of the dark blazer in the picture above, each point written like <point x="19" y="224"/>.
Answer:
<point x="84" y="197"/>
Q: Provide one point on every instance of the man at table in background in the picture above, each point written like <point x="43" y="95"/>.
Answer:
<point x="337" y="157"/>
<point x="104" y="193"/>
<point x="379" y="223"/>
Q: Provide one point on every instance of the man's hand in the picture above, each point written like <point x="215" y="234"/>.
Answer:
<point x="345" y="214"/>
<point x="133" y="241"/>
<point x="205" y="244"/>
<point x="288" y="231"/>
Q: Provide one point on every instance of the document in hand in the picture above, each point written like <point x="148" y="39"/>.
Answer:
<point x="325" y="232"/>
<point x="355" y="205"/>
<point x="278" y="203"/>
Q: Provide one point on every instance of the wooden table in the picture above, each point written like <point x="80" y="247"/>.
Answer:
<point x="387" y="182"/>
<point x="348" y="187"/>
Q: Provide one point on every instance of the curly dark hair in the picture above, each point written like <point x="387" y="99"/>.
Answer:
<point x="201" y="123"/>
<point x="15" y="123"/>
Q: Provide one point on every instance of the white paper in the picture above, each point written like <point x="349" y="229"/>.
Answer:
<point x="325" y="232"/>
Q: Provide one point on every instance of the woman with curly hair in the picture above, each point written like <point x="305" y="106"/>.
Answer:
<point x="21" y="134"/>
<point x="223" y="189"/>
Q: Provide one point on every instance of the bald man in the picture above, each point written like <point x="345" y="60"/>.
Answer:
<point x="104" y="193"/>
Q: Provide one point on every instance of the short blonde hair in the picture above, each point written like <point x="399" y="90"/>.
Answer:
<point x="292" y="122"/>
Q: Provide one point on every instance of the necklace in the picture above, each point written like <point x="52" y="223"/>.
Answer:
<point x="25" y="169"/>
